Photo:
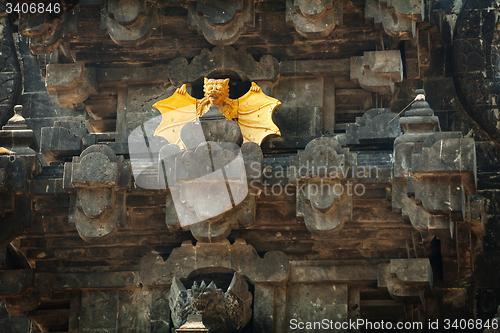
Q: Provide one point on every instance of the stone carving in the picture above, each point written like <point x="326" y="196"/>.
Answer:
<point x="376" y="125"/>
<point x="223" y="58"/>
<point x="17" y="167"/>
<point x="322" y="173"/>
<point x="475" y="65"/>
<point x="98" y="180"/>
<point x="70" y="83"/>
<point x="46" y="29"/>
<point x="437" y="169"/>
<point x="237" y="257"/>
<point x="314" y="18"/>
<point x="398" y="17"/>
<point x="220" y="311"/>
<point x="128" y="22"/>
<point x="10" y="73"/>
<point x="221" y="23"/>
<point x="405" y="279"/>
<point x="253" y="111"/>
<point x="377" y="71"/>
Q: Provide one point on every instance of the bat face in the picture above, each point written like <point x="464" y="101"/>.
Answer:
<point x="216" y="91"/>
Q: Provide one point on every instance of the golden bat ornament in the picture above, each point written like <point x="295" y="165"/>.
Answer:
<point x="253" y="111"/>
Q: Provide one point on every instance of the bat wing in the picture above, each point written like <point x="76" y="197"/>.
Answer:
<point x="255" y="115"/>
<point x="176" y="111"/>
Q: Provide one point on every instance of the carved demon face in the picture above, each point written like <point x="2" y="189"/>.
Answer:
<point x="216" y="91"/>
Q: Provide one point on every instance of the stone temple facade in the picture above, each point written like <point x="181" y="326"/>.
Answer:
<point x="376" y="201"/>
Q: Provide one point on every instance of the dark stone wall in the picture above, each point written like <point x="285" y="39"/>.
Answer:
<point x="479" y="294"/>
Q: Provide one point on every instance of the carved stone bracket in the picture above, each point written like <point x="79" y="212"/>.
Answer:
<point x="377" y="71"/>
<point x="98" y="180"/>
<point x="18" y="164"/>
<point x="406" y="279"/>
<point x="398" y="17"/>
<point x="46" y="30"/>
<point x="221" y="22"/>
<point x="128" y="22"/>
<point x="314" y="18"/>
<point x="376" y="125"/>
<point x="209" y="257"/>
<point x="324" y="193"/>
<point x="216" y="310"/>
<point x="70" y="83"/>
<point x="223" y="58"/>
